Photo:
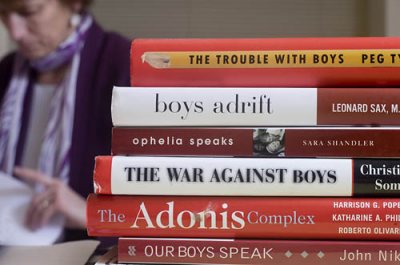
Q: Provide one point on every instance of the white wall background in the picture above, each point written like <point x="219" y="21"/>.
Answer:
<point x="233" y="18"/>
<point x="392" y="18"/>
<point x="244" y="18"/>
<point x="4" y="41"/>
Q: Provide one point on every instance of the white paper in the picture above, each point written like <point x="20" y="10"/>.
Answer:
<point x="15" y="197"/>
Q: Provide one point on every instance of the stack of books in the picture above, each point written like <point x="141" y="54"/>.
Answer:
<point x="254" y="151"/>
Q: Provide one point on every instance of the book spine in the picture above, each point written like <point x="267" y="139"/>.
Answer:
<point x="297" y="62"/>
<point x="338" y="142"/>
<point x="283" y="252"/>
<point x="246" y="176"/>
<point x="243" y="217"/>
<point x="254" y="106"/>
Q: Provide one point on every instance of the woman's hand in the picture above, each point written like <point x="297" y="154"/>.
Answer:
<point x="56" y="197"/>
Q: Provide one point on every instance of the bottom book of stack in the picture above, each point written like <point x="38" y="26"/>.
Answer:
<point x="250" y="251"/>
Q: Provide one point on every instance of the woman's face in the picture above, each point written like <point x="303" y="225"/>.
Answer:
<point x="37" y="26"/>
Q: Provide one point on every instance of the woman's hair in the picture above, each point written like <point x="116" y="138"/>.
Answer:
<point x="85" y="3"/>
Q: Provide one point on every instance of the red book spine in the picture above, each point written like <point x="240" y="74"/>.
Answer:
<point x="243" y="217"/>
<point x="101" y="175"/>
<point x="287" y="62"/>
<point x="257" y="142"/>
<point x="262" y="252"/>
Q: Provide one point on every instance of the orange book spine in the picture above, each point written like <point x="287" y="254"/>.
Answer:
<point x="277" y="62"/>
<point x="243" y="217"/>
<point x="102" y="174"/>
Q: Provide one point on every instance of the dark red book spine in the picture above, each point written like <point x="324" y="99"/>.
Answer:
<point x="262" y="252"/>
<point x="257" y="142"/>
<point x="277" y="62"/>
<point x="243" y="217"/>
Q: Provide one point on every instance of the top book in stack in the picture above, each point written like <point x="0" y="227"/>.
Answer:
<point x="290" y="62"/>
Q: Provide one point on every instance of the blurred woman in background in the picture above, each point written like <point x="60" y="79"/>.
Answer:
<point x="55" y="93"/>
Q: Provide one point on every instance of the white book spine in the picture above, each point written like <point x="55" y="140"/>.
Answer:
<point x="149" y="106"/>
<point x="231" y="176"/>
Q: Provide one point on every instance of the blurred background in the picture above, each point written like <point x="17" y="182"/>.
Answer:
<point x="244" y="18"/>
